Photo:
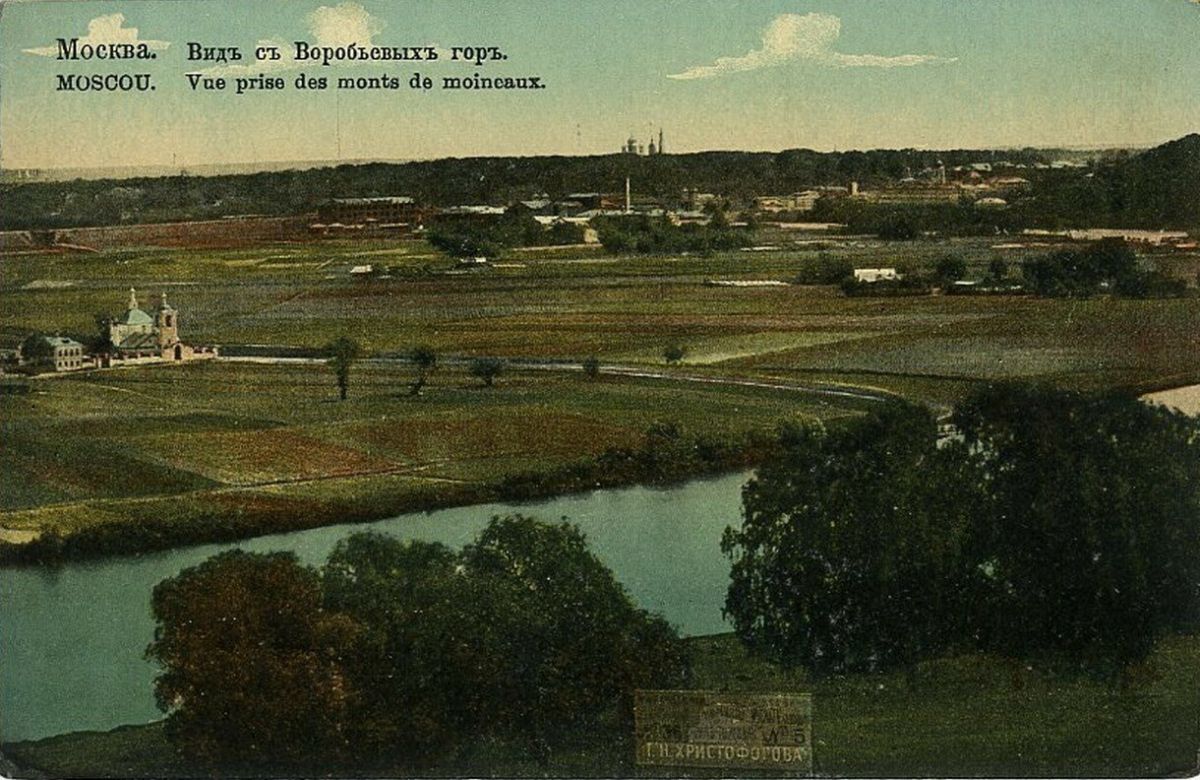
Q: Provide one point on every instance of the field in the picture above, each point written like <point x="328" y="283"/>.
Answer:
<point x="153" y="442"/>
<point x="962" y="716"/>
<point x="184" y="441"/>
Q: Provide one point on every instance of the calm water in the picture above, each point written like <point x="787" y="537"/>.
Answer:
<point x="72" y="638"/>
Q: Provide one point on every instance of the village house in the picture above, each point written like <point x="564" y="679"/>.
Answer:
<point x="62" y="354"/>
<point x="871" y="275"/>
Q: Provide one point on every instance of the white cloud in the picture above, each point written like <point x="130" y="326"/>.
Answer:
<point x="343" y="24"/>
<point x="104" y="30"/>
<point x="338" y="25"/>
<point x="803" y="38"/>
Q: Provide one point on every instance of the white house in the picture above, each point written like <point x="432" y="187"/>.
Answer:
<point x="65" y="355"/>
<point x="871" y="275"/>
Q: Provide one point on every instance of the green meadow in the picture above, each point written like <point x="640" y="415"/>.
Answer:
<point x="191" y="440"/>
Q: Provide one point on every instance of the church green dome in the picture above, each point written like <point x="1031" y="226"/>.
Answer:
<point x="136" y="317"/>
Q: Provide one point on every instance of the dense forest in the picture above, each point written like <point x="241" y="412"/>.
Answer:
<point x="1158" y="188"/>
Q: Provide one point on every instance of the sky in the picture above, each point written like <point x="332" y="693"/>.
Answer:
<point x="713" y="74"/>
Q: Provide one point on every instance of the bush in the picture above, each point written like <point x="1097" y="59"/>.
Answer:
<point x="487" y="369"/>
<point x="825" y="269"/>
<point x="950" y="269"/>
<point x="466" y="242"/>
<point x="907" y="284"/>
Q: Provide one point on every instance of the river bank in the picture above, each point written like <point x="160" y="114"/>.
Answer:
<point x="962" y="716"/>
<point x="664" y="459"/>
<point x="229" y="450"/>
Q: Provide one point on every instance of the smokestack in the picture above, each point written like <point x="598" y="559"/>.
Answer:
<point x="628" y="200"/>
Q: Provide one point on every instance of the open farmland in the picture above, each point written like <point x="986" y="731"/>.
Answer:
<point x="190" y="440"/>
<point x="90" y="447"/>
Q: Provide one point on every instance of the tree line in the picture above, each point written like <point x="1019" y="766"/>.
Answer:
<point x="399" y="656"/>
<point x="490" y="238"/>
<point x="1048" y="526"/>
<point x="644" y="234"/>
<point x="1157" y="188"/>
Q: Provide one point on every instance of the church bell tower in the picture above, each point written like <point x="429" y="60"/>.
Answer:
<point x="166" y="321"/>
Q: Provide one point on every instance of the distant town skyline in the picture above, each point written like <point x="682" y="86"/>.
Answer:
<point x="713" y="74"/>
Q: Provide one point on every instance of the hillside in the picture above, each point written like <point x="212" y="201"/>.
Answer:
<point x="1160" y="187"/>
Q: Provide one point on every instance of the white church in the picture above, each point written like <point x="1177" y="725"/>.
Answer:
<point x="138" y="337"/>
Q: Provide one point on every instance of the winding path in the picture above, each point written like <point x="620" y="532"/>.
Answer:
<point x="637" y="372"/>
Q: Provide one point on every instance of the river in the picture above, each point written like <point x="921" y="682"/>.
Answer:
<point x="1184" y="399"/>
<point x="72" y="638"/>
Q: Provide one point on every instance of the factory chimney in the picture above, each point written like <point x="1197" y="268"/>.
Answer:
<point x="628" y="200"/>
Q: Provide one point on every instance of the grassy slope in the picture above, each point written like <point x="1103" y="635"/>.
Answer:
<point x="964" y="716"/>
<point x="974" y="715"/>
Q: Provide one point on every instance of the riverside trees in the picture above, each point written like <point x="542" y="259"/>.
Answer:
<point x="398" y="655"/>
<point x="1055" y="526"/>
<point x="849" y="557"/>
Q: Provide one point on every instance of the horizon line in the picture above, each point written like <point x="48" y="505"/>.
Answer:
<point x="329" y="162"/>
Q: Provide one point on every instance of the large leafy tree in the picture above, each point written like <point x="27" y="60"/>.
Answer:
<point x="413" y="662"/>
<point x="523" y="637"/>
<point x="36" y="350"/>
<point x="486" y="369"/>
<point x="251" y="664"/>
<point x="1052" y="525"/>
<point x="1090" y="547"/>
<point x="573" y="647"/>
<point x="848" y="557"/>
<point x="425" y="359"/>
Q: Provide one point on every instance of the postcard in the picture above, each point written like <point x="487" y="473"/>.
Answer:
<point x="639" y="388"/>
